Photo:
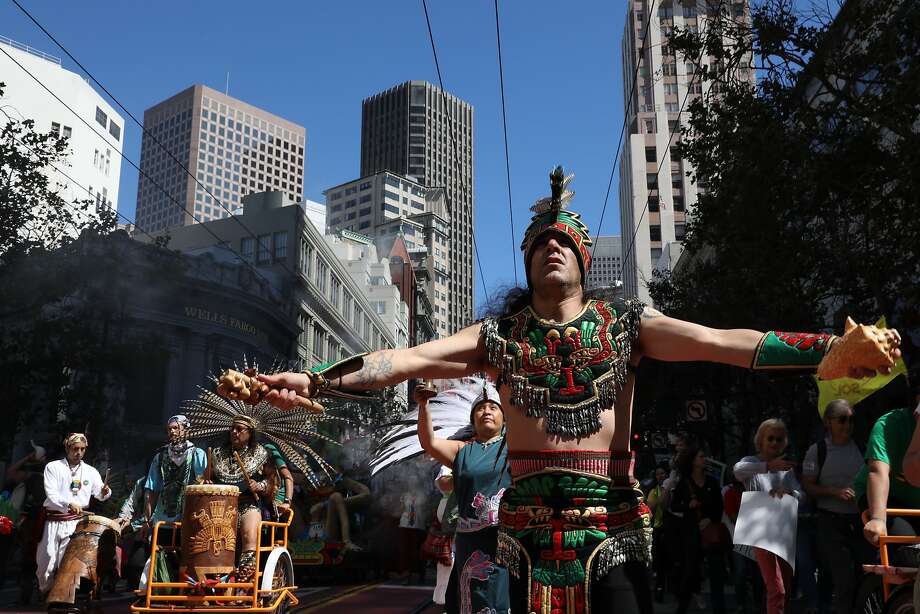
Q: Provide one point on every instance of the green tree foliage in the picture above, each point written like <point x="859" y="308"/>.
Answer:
<point x="33" y="214"/>
<point x="811" y="211"/>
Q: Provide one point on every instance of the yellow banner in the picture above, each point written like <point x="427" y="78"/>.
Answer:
<point x="855" y="390"/>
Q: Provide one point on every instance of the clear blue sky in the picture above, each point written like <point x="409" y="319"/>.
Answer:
<point x="313" y="63"/>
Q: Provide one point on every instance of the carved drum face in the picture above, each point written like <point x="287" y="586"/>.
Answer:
<point x="209" y="524"/>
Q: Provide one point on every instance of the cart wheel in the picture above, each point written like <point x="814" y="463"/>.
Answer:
<point x="282" y="577"/>
<point x="901" y="600"/>
<point x="870" y="598"/>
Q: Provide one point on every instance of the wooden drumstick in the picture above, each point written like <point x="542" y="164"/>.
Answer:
<point x="239" y="462"/>
<point x="210" y="465"/>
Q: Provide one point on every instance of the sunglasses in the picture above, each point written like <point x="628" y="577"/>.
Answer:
<point x="842" y="419"/>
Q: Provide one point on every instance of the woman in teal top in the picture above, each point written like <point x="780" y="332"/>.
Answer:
<point x="480" y="479"/>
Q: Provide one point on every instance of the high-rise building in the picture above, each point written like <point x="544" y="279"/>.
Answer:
<point x="416" y="130"/>
<point x="385" y="206"/>
<point x="606" y="264"/>
<point x="233" y="148"/>
<point x="94" y="162"/>
<point x="654" y="205"/>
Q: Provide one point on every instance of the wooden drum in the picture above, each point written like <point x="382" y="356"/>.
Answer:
<point x="209" y="523"/>
<point x="89" y="554"/>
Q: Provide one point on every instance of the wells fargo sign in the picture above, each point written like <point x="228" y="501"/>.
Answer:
<point x="222" y="319"/>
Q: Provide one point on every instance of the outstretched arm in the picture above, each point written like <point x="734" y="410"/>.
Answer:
<point x="670" y="339"/>
<point x="861" y="352"/>
<point x="460" y="354"/>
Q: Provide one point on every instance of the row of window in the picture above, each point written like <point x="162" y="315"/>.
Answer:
<point x="229" y="113"/>
<point x="103" y="120"/>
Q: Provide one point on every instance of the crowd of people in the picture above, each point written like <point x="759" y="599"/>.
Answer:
<point x="842" y="489"/>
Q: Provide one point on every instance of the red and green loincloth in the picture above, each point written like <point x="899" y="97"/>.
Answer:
<point x="571" y="516"/>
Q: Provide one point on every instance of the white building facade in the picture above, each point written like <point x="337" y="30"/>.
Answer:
<point x="656" y="195"/>
<point x="386" y="205"/>
<point x="94" y="160"/>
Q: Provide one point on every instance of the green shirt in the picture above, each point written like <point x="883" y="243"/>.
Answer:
<point x="279" y="461"/>
<point x="888" y="442"/>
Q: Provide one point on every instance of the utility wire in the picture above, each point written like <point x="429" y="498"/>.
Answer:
<point x="132" y="163"/>
<point x="146" y="132"/>
<point x="665" y="155"/>
<point x="82" y="188"/>
<point x="501" y="80"/>
<point x="642" y="51"/>
<point x="450" y="130"/>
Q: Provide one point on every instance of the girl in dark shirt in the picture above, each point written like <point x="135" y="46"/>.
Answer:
<point x="697" y="500"/>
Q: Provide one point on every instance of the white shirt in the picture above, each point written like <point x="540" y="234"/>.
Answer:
<point x="58" y="479"/>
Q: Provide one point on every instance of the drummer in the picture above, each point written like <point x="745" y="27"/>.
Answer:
<point x="69" y="483"/>
<point x="176" y="465"/>
<point x="226" y="469"/>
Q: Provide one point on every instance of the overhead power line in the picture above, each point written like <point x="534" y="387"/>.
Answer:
<point x="453" y="141"/>
<point x="501" y="80"/>
<point x="642" y="51"/>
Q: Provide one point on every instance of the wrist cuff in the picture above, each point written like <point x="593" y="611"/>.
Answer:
<point x="325" y="379"/>
<point x="779" y="350"/>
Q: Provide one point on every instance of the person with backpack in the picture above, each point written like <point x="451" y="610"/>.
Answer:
<point x="828" y="474"/>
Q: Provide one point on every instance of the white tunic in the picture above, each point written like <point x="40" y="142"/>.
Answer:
<point x="60" y="481"/>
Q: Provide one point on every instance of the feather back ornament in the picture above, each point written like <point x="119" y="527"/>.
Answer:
<point x="290" y="430"/>
<point x="450" y="417"/>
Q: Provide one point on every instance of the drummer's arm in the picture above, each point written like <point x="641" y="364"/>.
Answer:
<point x="150" y="502"/>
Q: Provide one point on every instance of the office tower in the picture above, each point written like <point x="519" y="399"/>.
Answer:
<point x="232" y="147"/>
<point x="654" y="205"/>
<point x="606" y="263"/>
<point x="417" y="131"/>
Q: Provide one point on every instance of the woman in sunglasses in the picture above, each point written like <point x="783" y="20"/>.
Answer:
<point x="769" y="472"/>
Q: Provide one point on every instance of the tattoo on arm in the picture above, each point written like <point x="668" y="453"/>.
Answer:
<point x="650" y="312"/>
<point x="376" y="368"/>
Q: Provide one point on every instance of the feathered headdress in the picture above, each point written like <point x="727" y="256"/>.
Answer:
<point x="450" y="416"/>
<point x="551" y="215"/>
<point x="289" y="430"/>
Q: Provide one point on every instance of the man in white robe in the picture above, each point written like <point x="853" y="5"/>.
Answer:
<point x="69" y="484"/>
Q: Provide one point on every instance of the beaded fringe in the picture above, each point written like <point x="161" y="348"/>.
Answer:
<point x="626" y="546"/>
<point x="508" y="553"/>
<point x="561" y="419"/>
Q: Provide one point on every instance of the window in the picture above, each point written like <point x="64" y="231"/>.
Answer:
<point x="306" y="258"/>
<point x="115" y="130"/>
<point x="676" y="181"/>
<point x="653" y="206"/>
<point x="56" y="128"/>
<point x="651" y="181"/>
<point x="670" y="88"/>
<point x="391" y="195"/>
<point x="679" y="231"/>
<point x="319" y="343"/>
<point x="101" y="118"/>
<point x="391" y="208"/>
<point x="264" y="253"/>
<point x="650" y="155"/>
<point x="280" y="245"/>
<point x="669" y="69"/>
<point x="392" y="181"/>
<point x="666" y="12"/>
<point x="365" y="198"/>
<point x="322" y="272"/>
<point x="67" y="132"/>
<point x="671" y="107"/>
<point x="247" y="248"/>
<point x="654" y="232"/>
<point x="678" y="203"/>
<point x="334" y="290"/>
<point x="689" y="11"/>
